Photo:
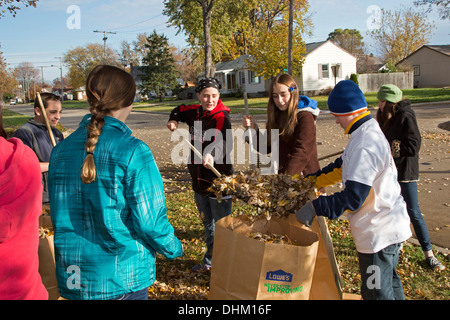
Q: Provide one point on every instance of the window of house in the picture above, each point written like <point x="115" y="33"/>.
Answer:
<point x="325" y="71"/>
<point x="253" y="78"/>
<point x="241" y="77"/>
<point x="221" y="78"/>
<point x="417" y="70"/>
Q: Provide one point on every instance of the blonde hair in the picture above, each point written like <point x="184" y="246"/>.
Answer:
<point x="108" y="88"/>
<point x="284" y="121"/>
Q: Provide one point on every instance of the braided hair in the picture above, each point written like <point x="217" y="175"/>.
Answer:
<point x="108" y="89"/>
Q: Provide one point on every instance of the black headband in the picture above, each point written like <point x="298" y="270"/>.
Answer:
<point x="208" y="83"/>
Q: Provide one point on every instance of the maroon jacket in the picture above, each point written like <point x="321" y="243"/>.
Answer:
<point x="299" y="153"/>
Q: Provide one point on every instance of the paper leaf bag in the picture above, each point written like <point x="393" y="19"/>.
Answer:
<point x="47" y="258"/>
<point x="247" y="269"/>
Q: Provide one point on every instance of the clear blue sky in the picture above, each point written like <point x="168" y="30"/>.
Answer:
<point x="39" y="35"/>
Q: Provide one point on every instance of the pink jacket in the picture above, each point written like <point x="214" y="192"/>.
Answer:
<point x="20" y="207"/>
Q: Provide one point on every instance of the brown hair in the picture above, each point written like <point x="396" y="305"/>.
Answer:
<point x="108" y="89"/>
<point x="46" y="96"/>
<point x="384" y="117"/>
<point x="285" y="120"/>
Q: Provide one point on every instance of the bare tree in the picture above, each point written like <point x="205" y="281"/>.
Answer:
<point x="28" y="75"/>
<point x="442" y="5"/>
<point x="401" y="33"/>
<point x="133" y="52"/>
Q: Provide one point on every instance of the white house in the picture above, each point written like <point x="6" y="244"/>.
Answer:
<point x="325" y="64"/>
<point x="234" y="76"/>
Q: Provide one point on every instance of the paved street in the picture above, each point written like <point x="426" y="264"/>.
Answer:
<point x="137" y="119"/>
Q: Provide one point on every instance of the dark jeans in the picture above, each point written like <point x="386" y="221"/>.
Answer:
<point x="409" y="193"/>
<point x="211" y="211"/>
<point x="138" y="295"/>
<point x="379" y="279"/>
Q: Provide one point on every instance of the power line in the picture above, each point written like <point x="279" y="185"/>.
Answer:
<point x="142" y="29"/>
<point x="134" y="24"/>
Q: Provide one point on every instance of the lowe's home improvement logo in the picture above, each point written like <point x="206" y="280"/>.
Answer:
<point x="279" y="275"/>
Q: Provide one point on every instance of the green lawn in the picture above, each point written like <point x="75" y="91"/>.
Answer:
<point x="416" y="95"/>
<point x="13" y="120"/>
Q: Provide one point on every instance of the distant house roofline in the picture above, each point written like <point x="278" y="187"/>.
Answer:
<point x="239" y="62"/>
<point x="311" y="47"/>
<point x="443" y="49"/>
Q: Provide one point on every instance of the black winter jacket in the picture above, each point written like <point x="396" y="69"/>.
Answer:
<point x="195" y="117"/>
<point x="404" y="128"/>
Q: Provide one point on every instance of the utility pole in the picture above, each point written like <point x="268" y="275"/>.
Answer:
<point x="42" y="74"/>
<point x="62" y="82"/>
<point x="290" y="46"/>
<point x="104" y="42"/>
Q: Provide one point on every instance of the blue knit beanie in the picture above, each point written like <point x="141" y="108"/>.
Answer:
<point x="346" y="99"/>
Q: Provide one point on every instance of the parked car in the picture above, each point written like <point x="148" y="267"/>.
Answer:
<point x="12" y="101"/>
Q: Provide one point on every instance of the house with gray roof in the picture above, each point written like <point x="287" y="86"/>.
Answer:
<point x="431" y="65"/>
<point x="325" y="64"/>
<point x="235" y="76"/>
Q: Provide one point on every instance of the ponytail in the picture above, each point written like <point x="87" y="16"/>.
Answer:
<point x="88" y="171"/>
<point x="108" y="88"/>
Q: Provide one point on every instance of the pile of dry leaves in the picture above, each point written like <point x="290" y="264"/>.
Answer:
<point x="278" y="195"/>
<point x="272" y="238"/>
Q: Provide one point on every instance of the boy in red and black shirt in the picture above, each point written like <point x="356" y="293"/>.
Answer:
<point x="208" y="124"/>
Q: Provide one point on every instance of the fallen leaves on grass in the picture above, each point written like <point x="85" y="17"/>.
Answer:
<point x="177" y="282"/>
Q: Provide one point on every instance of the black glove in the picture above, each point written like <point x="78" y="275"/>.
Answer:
<point x="306" y="214"/>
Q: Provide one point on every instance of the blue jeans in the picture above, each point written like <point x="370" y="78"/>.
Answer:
<point x="138" y="295"/>
<point x="410" y="195"/>
<point x="211" y="211"/>
<point x="379" y="279"/>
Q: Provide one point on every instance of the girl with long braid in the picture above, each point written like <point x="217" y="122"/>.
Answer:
<point x="107" y="200"/>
